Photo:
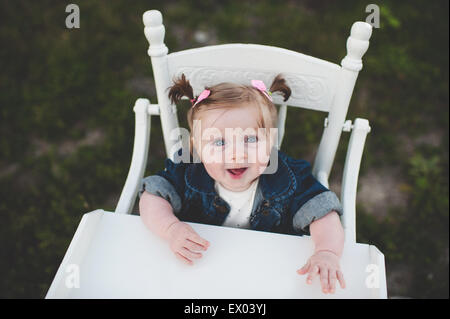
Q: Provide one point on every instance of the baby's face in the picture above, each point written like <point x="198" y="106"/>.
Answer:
<point x="231" y="146"/>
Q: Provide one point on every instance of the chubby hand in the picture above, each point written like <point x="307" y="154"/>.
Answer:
<point x="185" y="242"/>
<point x="325" y="264"/>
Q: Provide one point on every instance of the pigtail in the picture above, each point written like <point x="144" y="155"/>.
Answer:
<point x="279" y="85"/>
<point x="181" y="88"/>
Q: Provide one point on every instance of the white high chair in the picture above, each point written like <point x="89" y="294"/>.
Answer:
<point x="104" y="240"/>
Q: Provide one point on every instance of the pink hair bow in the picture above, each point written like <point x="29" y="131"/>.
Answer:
<point x="262" y="87"/>
<point x="201" y="97"/>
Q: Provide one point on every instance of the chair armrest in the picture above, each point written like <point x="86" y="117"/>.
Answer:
<point x="143" y="110"/>
<point x="350" y="176"/>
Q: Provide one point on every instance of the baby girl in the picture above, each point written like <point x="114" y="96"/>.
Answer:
<point x="241" y="180"/>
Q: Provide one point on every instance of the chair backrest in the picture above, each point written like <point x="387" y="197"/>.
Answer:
<point x="312" y="81"/>
<point x="316" y="84"/>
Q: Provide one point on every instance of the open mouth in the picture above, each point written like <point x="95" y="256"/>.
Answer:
<point x="237" y="172"/>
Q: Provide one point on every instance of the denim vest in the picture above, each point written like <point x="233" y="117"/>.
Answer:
<point x="286" y="201"/>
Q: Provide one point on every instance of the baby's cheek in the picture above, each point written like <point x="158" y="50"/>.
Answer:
<point x="216" y="171"/>
<point x="262" y="161"/>
<point x="211" y="155"/>
<point x="263" y="156"/>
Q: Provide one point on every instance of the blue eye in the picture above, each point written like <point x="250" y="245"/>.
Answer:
<point x="251" y="139"/>
<point x="219" y="142"/>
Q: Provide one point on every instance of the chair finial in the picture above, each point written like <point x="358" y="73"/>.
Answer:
<point x="361" y="31"/>
<point x="154" y="32"/>
<point x="357" y="45"/>
<point x="152" y="18"/>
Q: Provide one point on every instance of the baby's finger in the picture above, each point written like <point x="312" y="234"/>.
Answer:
<point x="324" y="279"/>
<point x="193" y="246"/>
<point x="183" y="259"/>
<point x="199" y="240"/>
<point x="304" y="269"/>
<point x="340" y="277"/>
<point x="312" y="274"/>
<point x="189" y="254"/>
<point x="332" y="281"/>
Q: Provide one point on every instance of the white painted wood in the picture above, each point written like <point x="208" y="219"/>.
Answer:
<point x="119" y="258"/>
<point x="357" y="45"/>
<point x="312" y="81"/>
<point x="350" y="177"/>
<point x="75" y="254"/>
<point x="139" y="157"/>
<point x="379" y="270"/>
<point x="154" y="32"/>
<point x="153" y="109"/>
<point x="322" y="177"/>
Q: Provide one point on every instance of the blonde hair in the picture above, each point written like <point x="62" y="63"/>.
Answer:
<point x="229" y="95"/>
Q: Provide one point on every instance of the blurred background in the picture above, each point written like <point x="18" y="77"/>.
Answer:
<point x="67" y="123"/>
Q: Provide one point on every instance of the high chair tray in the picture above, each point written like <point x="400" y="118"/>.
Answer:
<point x="114" y="256"/>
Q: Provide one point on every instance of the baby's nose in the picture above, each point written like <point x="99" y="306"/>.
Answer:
<point x="239" y="152"/>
